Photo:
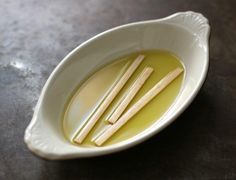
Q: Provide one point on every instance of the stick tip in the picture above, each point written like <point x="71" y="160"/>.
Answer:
<point x="111" y="121"/>
<point x="97" y="142"/>
<point x="179" y="69"/>
<point x="141" y="56"/>
<point x="77" y="140"/>
<point x="149" y="69"/>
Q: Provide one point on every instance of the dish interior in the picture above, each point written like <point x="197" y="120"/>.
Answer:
<point x="90" y="93"/>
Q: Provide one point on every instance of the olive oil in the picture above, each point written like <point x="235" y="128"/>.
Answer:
<point x="92" y="92"/>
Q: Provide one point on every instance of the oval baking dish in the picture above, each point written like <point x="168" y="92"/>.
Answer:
<point x="185" y="34"/>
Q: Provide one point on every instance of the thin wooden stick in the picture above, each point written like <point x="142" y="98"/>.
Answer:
<point x="164" y="82"/>
<point x="85" y="121"/>
<point x="138" y="83"/>
<point x="95" y="117"/>
<point x="101" y="132"/>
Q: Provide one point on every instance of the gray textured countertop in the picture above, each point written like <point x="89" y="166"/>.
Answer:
<point x="36" y="35"/>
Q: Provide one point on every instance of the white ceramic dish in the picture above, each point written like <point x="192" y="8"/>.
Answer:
<point x="185" y="33"/>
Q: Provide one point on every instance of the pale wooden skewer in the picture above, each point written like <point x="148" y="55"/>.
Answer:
<point x="95" y="117"/>
<point x="117" y="105"/>
<point x="102" y="99"/>
<point x="101" y="132"/>
<point x="138" y="83"/>
<point x="145" y="74"/>
<point x="164" y="82"/>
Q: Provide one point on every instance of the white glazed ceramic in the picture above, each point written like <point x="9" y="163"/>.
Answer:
<point x="185" y="34"/>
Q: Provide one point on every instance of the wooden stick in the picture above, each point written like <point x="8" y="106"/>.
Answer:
<point x="164" y="82"/>
<point x="145" y="74"/>
<point x="95" y="117"/>
<point x="102" y="99"/>
<point x="101" y="132"/>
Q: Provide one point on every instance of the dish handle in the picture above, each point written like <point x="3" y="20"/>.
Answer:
<point x="192" y="21"/>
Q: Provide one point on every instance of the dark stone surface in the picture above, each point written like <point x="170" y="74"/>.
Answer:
<point x="34" y="37"/>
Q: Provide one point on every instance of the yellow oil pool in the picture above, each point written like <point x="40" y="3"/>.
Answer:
<point x="88" y="96"/>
